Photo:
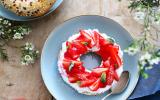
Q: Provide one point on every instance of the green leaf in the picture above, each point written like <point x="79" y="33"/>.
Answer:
<point x="116" y="65"/>
<point x="103" y="77"/>
<point x="111" y="40"/>
<point x="78" y="82"/>
<point x="144" y="75"/>
<point x="67" y="47"/>
<point x="71" y="66"/>
<point x="85" y="43"/>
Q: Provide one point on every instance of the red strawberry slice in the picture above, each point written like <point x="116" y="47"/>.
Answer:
<point x="109" y="79"/>
<point x="104" y="52"/>
<point x="95" y="86"/>
<point x="72" y="51"/>
<point x="85" y="37"/>
<point x="87" y="83"/>
<point x="96" y="37"/>
<point x="66" y="63"/>
<point x="103" y="41"/>
<point x="72" y="79"/>
<point x="110" y="75"/>
<point x="83" y="75"/>
<point x="85" y="34"/>
<point x="116" y="60"/>
<point x="81" y="48"/>
<point x="98" y="71"/>
<point x="77" y="69"/>
<point x="106" y="63"/>
<point x="116" y="76"/>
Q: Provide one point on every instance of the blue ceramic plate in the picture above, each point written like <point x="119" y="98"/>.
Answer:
<point x="49" y="57"/>
<point x="12" y="16"/>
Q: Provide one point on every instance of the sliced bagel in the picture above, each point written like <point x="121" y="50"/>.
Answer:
<point x="28" y="7"/>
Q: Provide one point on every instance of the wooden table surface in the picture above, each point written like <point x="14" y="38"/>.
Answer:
<point x="18" y="81"/>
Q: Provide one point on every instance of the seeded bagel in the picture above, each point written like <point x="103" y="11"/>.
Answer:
<point x="28" y="7"/>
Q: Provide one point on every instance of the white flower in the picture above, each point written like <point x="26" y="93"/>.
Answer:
<point x="143" y="62"/>
<point x="148" y="67"/>
<point x="29" y="46"/>
<point x="139" y="15"/>
<point x="154" y="61"/>
<point x="5" y="22"/>
<point x="146" y="56"/>
<point x="28" y="58"/>
<point x="132" y="51"/>
<point x="9" y="24"/>
<point x="37" y="52"/>
<point x="1" y="33"/>
<point x="17" y="36"/>
<point x="24" y="63"/>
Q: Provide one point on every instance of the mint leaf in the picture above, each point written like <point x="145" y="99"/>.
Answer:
<point x="78" y="82"/>
<point x="103" y="77"/>
<point x="85" y="43"/>
<point x="71" y="66"/>
<point x="111" y="40"/>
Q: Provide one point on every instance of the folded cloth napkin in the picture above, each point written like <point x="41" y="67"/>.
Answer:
<point x="148" y="86"/>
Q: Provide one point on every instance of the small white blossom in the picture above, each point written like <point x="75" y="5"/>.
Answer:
<point x="1" y="33"/>
<point x="29" y="46"/>
<point x="5" y="22"/>
<point x="148" y="67"/>
<point x="143" y="62"/>
<point x="37" y="52"/>
<point x="29" y="54"/>
<point x="28" y="58"/>
<point x="139" y="15"/>
<point x="17" y="36"/>
<point x="154" y="61"/>
<point x="24" y="63"/>
<point x="146" y="56"/>
<point x="132" y="51"/>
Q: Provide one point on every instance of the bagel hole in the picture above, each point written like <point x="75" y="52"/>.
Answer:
<point x="91" y="60"/>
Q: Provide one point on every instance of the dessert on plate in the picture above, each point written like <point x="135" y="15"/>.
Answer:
<point x="99" y="79"/>
<point x="28" y="7"/>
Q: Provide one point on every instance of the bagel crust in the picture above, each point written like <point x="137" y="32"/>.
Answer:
<point x="28" y="7"/>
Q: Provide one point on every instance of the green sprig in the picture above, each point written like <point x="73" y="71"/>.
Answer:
<point x="149" y="51"/>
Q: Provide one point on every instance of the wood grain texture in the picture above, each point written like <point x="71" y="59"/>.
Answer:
<point x="25" y="81"/>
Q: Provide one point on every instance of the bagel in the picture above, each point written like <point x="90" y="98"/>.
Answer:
<point x="102" y="77"/>
<point x="28" y="7"/>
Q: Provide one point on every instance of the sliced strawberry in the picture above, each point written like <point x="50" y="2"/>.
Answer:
<point x="96" y="37"/>
<point x="116" y="76"/>
<point x="95" y="86"/>
<point x="87" y="83"/>
<point x="98" y="71"/>
<point x="66" y="63"/>
<point x="116" y="60"/>
<point x="72" y="79"/>
<point x="68" y="44"/>
<point x="110" y="75"/>
<point x="81" y="48"/>
<point x="77" y="69"/>
<point x="104" y="41"/>
<point x="85" y="37"/>
<point x="85" y="34"/>
<point x="106" y="63"/>
<point x="72" y="51"/>
<point x="83" y="75"/>
<point x="109" y="79"/>
<point x="104" y="52"/>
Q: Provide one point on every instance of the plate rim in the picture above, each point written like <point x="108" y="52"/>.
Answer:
<point x="52" y="35"/>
